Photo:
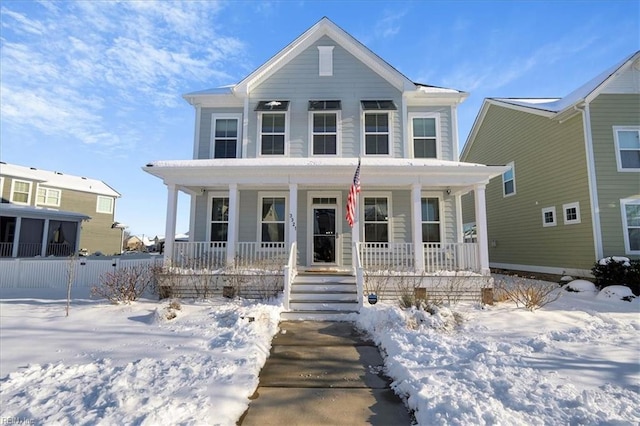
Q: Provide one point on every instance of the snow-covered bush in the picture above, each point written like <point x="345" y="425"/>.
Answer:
<point x="618" y="292"/>
<point x="617" y="270"/>
<point x="124" y="285"/>
<point x="580" y="286"/>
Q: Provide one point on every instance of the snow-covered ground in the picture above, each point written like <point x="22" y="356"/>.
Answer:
<point x="575" y="361"/>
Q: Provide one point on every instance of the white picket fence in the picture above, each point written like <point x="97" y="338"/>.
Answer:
<point x="54" y="272"/>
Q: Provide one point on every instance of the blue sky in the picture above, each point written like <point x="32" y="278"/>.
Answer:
<point x="94" y="88"/>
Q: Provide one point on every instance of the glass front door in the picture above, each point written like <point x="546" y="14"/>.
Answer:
<point x="324" y="235"/>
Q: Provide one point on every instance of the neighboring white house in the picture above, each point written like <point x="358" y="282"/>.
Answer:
<point x="275" y="156"/>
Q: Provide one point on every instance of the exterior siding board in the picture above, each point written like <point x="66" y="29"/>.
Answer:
<point x="610" y="110"/>
<point x="299" y="81"/>
<point x="550" y="164"/>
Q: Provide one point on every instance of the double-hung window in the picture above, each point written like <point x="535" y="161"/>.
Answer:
<point x="631" y="223"/>
<point x="424" y="136"/>
<point x="226" y="135"/>
<point x="627" y="140"/>
<point x="376" y="219"/>
<point x="325" y="117"/>
<point x="509" y="181"/>
<point x="104" y="204"/>
<point x="431" y="220"/>
<point x="272" y="219"/>
<point x="219" y="219"/>
<point x="378" y="121"/>
<point x="272" y="127"/>
<point x="21" y="192"/>
<point x="48" y="197"/>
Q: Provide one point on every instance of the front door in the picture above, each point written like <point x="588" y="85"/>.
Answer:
<point x="324" y="235"/>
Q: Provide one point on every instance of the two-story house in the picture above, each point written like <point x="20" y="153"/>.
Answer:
<point x="275" y="156"/>
<point x="571" y="195"/>
<point x="49" y="213"/>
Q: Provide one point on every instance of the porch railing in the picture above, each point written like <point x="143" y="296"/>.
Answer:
<point x="290" y="272"/>
<point x="386" y="255"/>
<point x="35" y="249"/>
<point x="451" y="257"/>
<point x="212" y="255"/>
<point x="437" y="256"/>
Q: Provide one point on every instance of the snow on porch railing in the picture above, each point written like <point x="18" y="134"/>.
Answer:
<point x="451" y="257"/>
<point x="386" y="255"/>
<point x="210" y="255"/>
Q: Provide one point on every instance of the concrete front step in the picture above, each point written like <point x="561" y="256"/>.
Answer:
<point x="339" y="296"/>
<point x="320" y="279"/>
<point x="323" y="305"/>
<point x="302" y="315"/>
<point x="326" y="287"/>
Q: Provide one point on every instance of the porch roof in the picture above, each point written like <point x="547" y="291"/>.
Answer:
<point x="378" y="172"/>
<point x="12" y="210"/>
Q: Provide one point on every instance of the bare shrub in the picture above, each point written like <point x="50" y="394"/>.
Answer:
<point x="72" y="264"/>
<point x="376" y="282"/>
<point x="124" y="285"/>
<point x="450" y="288"/>
<point x="268" y="278"/>
<point x="530" y="294"/>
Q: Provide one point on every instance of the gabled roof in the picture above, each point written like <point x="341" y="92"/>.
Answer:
<point x="325" y="27"/>
<point x="554" y="107"/>
<point x="57" y="179"/>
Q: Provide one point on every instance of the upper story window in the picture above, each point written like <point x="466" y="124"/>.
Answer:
<point x="549" y="216"/>
<point x="104" y="204"/>
<point x="226" y="135"/>
<point x="627" y="140"/>
<point x="509" y="181"/>
<point x="21" y="192"/>
<point x="48" y="197"/>
<point x="272" y="126"/>
<point x="325" y="116"/>
<point x="424" y="135"/>
<point x="377" y="126"/>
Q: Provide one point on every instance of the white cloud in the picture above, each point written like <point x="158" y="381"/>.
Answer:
<point x="62" y="64"/>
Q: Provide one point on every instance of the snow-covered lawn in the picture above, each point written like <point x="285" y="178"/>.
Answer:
<point x="575" y="361"/>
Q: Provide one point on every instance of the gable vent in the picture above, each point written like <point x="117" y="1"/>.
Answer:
<point x="325" y="60"/>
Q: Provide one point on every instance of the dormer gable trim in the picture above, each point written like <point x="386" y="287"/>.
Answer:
<point x="324" y="27"/>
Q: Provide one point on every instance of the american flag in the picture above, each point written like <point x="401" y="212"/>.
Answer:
<point x="353" y="196"/>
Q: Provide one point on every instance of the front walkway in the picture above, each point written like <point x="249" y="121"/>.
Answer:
<point x="323" y="373"/>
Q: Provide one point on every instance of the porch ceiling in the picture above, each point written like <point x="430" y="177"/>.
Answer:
<point x="379" y="172"/>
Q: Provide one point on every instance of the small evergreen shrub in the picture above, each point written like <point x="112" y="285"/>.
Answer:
<point x="617" y="271"/>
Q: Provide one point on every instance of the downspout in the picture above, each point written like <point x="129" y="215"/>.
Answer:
<point x="591" y="178"/>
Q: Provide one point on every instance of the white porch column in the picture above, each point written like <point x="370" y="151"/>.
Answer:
<point x="293" y="213"/>
<point x="416" y="226"/>
<point x="481" y="228"/>
<point x="45" y="234"/>
<point x="78" y="231"/>
<point x="232" y="230"/>
<point x="170" y="228"/>
<point x="16" y="237"/>
<point x="355" y="234"/>
<point x="459" y="222"/>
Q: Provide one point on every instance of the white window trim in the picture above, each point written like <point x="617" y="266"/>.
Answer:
<point x="568" y="206"/>
<point x="325" y="61"/>
<point x="363" y="139"/>
<point x="47" y="189"/>
<point x="113" y="202"/>
<point x="338" y="133"/>
<point x="13" y="183"/>
<point x="286" y="133"/>
<point x="270" y="194"/>
<point x="378" y="194"/>
<point x="440" y="198"/>
<point x="435" y="115"/>
<point x="511" y="165"/>
<point x="217" y="116"/>
<point x="625" y="226"/>
<point x="616" y="129"/>
<point x="1" y="186"/>
<point x="552" y="210"/>
<point x="211" y="196"/>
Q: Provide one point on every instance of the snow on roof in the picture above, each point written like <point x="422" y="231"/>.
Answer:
<point x="560" y="104"/>
<point x="426" y="88"/>
<point x="222" y="90"/>
<point x="58" y="180"/>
